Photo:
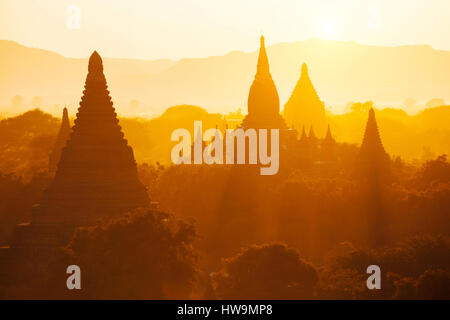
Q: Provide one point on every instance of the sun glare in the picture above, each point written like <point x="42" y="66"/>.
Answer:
<point x="328" y="28"/>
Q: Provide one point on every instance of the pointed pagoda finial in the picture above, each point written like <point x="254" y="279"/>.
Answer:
<point x="95" y="63"/>
<point x="372" y="121"/>
<point x="262" y="68"/>
<point x="304" y="74"/>
<point x="372" y="114"/>
<point x="329" y="136"/>
<point x="304" y="137"/>
<point x="61" y="139"/>
<point x="65" y="117"/>
<point x="304" y="69"/>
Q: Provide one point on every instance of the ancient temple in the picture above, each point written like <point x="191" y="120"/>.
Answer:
<point x="61" y="140"/>
<point x="313" y="144"/>
<point x="372" y="149"/>
<point x="328" y="136"/>
<point x="374" y="175"/>
<point x="304" y="107"/>
<point x="97" y="173"/>
<point x="328" y="147"/>
<point x="373" y="159"/>
<point x="313" y="140"/>
<point x="96" y="178"/>
<point x="263" y="100"/>
<point x="303" y="142"/>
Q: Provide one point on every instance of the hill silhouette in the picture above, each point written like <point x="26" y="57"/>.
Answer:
<point x="340" y="71"/>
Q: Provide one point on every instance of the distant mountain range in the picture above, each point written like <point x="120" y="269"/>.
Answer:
<point x="340" y="71"/>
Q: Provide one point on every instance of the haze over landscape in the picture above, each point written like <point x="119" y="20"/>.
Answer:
<point x="341" y="71"/>
<point x="350" y="98"/>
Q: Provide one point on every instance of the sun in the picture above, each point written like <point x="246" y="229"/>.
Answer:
<point x="328" y="28"/>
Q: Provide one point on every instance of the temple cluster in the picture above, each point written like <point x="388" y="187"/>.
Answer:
<point x="304" y="110"/>
<point x="95" y="177"/>
<point x="95" y="172"/>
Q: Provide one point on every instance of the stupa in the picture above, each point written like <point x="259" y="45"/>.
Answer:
<point x="96" y="178"/>
<point x="97" y="173"/>
<point x="304" y="107"/>
<point x="61" y="140"/>
<point x="263" y="100"/>
<point x="374" y="161"/>
<point x="328" y="147"/>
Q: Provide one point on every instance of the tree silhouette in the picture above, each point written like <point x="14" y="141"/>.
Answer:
<point x="265" y="272"/>
<point x="147" y="254"/>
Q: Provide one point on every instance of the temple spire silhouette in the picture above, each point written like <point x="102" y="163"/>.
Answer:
<point x="374" y="161"/>
<point x="328" y="147"/>
<point x="375" y="175"/>
<point x="372" y="148"/>
<point x="96" y="178"/>
<point x="329" y="136"/>
<point x="263" y="99"/>
<point x="303" y="137"/>
<point x="304" y="106"/>
<point x="97" y="173"/>
<point x="262" y="68"/>
<point x="312" y="136"/>
<point x="61" y="140"/>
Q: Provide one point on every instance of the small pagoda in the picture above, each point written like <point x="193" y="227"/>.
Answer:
<point x="304" y="107"/>
<point x="328" y="147"/>
<point x="61" y="140"/>
<point x="374" y="161"/>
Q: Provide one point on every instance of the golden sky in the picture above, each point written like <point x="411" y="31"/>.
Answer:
<point x="174" y="29"/>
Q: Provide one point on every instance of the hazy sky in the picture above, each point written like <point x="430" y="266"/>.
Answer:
<point x="153" y="29"/>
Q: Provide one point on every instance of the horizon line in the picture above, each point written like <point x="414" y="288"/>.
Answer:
<point x="229" y="51"/>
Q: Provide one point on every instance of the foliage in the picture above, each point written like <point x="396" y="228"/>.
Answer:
<point x="145" y="255"/>
<point x="265" y="272"/>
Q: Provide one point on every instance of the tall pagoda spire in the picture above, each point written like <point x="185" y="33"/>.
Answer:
<point x="329" y="136"/>
<point x="303" y="142"/>
<point x="61" y="139"/>
<point x="304" y="106"/>
<point x="303" y="137"/>
<point x="97" y="173"/>
<point x="263" y="99"/>
<point x="375" y="174"/>
<point x="373" y="158"/>
<point x="262" y="68"/>
<point x="312" y="136"/>
<point x="372" y="147"/>
<point x="328" y="147"/>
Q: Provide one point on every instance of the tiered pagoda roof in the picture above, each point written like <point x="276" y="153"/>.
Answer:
<point x="97" y="173"/>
